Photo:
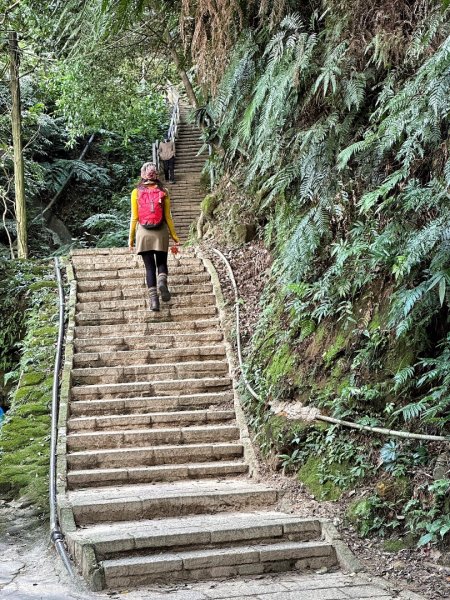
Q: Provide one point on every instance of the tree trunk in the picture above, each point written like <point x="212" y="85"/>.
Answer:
<point x="16" y="125"/>
<point x="61" y="235"/>
<point x="184" y="78"/>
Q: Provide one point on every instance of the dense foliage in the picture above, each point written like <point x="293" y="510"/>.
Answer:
<point x="30" y="307"/>
<point x="330" y="120"/>
<point x="334" y="125"/>
<point x="76" y="83"/>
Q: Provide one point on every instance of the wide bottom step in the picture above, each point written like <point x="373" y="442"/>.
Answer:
<point x="220" y="562"/>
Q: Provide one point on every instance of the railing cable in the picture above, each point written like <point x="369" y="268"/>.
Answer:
<point x="317" y="415"/>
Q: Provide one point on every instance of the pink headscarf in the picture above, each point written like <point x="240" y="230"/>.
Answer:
<point x="149" y="171"/>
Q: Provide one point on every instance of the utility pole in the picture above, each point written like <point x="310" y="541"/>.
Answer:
<point x="16" y="126"/>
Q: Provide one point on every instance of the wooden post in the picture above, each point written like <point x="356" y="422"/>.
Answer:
<point x="16" y="126"/>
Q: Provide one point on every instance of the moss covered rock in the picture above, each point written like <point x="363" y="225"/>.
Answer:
<point x="309" y="474"/>
<point x="24" y="436"/>
<point x="32" y="378"/>
<point x="209" y="204"/>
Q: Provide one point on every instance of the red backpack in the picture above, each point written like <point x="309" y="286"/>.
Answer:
<point x="150" y="207"/>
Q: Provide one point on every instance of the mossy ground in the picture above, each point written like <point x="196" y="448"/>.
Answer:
<point x="309" y="474"/>
<point x="25" y="434"/>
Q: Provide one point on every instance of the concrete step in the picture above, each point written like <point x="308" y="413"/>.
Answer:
<point x="142" y="292"/>
<point x="154" y="356"/>
<point x="148" y="328"/>
<point x="133" y="502"/>
<point x="150" y="388"/>
<point x="143" y="405"/>
<point x="142" y="303"/>
<point x="128" y="269"/>
<point x="153" y="456"/>
<point x="91" y="273"/>
<point x="187" y="204"/>
<point x="178" y="266"/>
<point x="196" y="565"/>
<point x="136" y="438"/>
<point x="189" y="208"/>
<point x="150" y="419"/>
<point x="138" y="280"/>
<point x="140" y="342"/>
<point x="135" y="474"/>
<point x="116" y="252"/>
<point x="186" y="185"/>
<point x="155" y="372"/>
<point x="186" y="215"/>
<point x="167" y="312"/>
<point x="132" y="260"/>
<point x="196" y="532"/>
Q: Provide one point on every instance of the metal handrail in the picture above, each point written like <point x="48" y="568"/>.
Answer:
<point x="56" y="534"/>
<point x="174" y="99"/>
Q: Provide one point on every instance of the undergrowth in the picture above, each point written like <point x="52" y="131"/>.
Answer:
<point x="25" y="432"/>
<point x="334" y="129"/>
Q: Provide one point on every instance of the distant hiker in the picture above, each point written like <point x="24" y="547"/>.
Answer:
<point x="150" y="212"/>
<point x="166" y="151"/>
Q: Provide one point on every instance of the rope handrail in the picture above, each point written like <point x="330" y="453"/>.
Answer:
<point x="56" y="534"/>
<point x="317" y="415"/>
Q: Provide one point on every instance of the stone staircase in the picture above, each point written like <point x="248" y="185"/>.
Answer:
<point x="153" y="478"/>
<point x="187" y="193"/>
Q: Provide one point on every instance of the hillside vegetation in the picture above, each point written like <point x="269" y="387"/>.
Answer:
<point x="329" y="125"/>
<point x="333" y="125"/>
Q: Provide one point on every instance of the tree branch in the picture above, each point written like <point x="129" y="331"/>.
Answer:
<point x="8" y="10"/>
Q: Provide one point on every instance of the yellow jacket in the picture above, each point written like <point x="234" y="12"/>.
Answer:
<point x="134" y="217"/>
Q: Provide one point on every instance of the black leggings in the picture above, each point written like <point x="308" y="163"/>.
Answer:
<point x="154" y="259"/>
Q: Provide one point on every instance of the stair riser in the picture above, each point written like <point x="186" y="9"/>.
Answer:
<point x="158" y="474"/>
<point x="78" y="442"/>
<point x="126" y="316"/>
<point x="135" y="357"/>
<point x="126" y="273"/>
<point x="140" y="373"/>
<point x="210" y="572"/>
<point x="147" y="329"/>
<point x="137" y="282"/>
<point x="171" y="506"/>
<point x="148" y="420"/>
<point x="142" y="303"/>
<point x="132" y="261"/>
<point x="151" y="457"/>
<point x="132" y="343"/>
<point x="157" y="388"/>
<point x="132" y="294"/>
<point x="123" y="255"/>
<point x="190" y="541"/>
<point x="135" y="406"/>
<point x="126" y="269"/>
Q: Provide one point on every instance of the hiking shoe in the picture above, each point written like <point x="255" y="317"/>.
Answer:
<point x="154" y="300"/>
<point x="162" y="287"/>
